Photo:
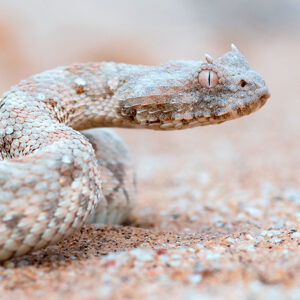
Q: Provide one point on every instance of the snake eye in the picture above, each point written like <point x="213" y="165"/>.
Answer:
<point x="208" y="79"/>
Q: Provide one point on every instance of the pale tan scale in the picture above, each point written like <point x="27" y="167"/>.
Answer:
<point x="53" y="178"/>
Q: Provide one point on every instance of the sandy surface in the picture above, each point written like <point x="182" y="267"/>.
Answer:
<point x="218" y="210"/>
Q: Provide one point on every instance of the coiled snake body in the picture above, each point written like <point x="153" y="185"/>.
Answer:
<point x="54" y="178"/>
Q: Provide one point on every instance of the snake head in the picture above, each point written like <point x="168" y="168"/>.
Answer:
<point x="183" y="94"/>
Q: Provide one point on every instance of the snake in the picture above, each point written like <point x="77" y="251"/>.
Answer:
<point x="60" y="170"/>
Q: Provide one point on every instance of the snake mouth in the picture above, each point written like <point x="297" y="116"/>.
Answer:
<point x="264" y="97"/>
<point x="264" y="94"/>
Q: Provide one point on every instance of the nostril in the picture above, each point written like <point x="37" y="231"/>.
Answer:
<point x="243" y="83"/>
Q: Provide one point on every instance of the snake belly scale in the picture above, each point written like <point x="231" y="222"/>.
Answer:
<point x="54" y="177"/>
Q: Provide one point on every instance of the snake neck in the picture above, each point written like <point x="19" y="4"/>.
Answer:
<point x="81" y="96"/>
<point x="91" y="89"/>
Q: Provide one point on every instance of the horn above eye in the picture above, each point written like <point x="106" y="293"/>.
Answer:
<point x="208" y="79"/>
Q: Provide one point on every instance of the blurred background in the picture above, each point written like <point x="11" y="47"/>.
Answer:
<point x="235" y="160"/>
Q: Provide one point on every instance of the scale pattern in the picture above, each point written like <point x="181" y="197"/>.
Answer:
<point x="54" y="178"/>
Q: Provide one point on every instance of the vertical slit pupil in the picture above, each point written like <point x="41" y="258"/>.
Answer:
<point x="209" y="79"/>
